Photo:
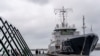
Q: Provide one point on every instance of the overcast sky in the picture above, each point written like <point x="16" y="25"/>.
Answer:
<point x="36" y="19"/>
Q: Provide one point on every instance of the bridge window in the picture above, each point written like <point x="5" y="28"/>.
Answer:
<point x="68" y="32"/>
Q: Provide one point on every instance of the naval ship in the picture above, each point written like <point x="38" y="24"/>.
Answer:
<point x="67" y="40"/>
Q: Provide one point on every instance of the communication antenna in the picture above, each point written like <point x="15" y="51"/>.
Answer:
<point x="62" y="11"/>
<point x="84" y="25"/>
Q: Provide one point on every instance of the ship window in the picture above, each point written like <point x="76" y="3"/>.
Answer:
<point x="67" y="32"/>
<point x="63" y="32"/>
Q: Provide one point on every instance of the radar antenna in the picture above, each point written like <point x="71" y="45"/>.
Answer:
<point x="62" y="11"/>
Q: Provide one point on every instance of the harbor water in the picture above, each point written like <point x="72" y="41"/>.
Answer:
<point x="95" y="53"/>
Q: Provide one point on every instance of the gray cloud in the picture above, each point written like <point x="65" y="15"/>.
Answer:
<point x="36" y="22"/>
<point x="31" y="19"/>
<point x="41" y="2"/>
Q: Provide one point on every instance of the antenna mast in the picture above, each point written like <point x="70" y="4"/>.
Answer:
<point x="62" y="11"/>
<point x="84" y="25"/>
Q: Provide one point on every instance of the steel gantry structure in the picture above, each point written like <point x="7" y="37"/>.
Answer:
<point x="11" y="41"/>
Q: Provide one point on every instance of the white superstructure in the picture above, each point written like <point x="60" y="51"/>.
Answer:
<point x="61" y="33"/>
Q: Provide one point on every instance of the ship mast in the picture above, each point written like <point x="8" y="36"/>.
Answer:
<point x="84" y="25"/>
<point x="62" y="11"/>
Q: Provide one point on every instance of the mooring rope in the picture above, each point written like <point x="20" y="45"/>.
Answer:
<point x="83" y="45"/>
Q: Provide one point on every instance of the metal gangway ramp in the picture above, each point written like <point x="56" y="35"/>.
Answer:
<point x="11" y="41"/>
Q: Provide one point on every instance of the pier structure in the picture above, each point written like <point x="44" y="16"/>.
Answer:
<point x="45" y="50"/>
<point x="11" y="41"/>
<point x="39" y="51"/>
